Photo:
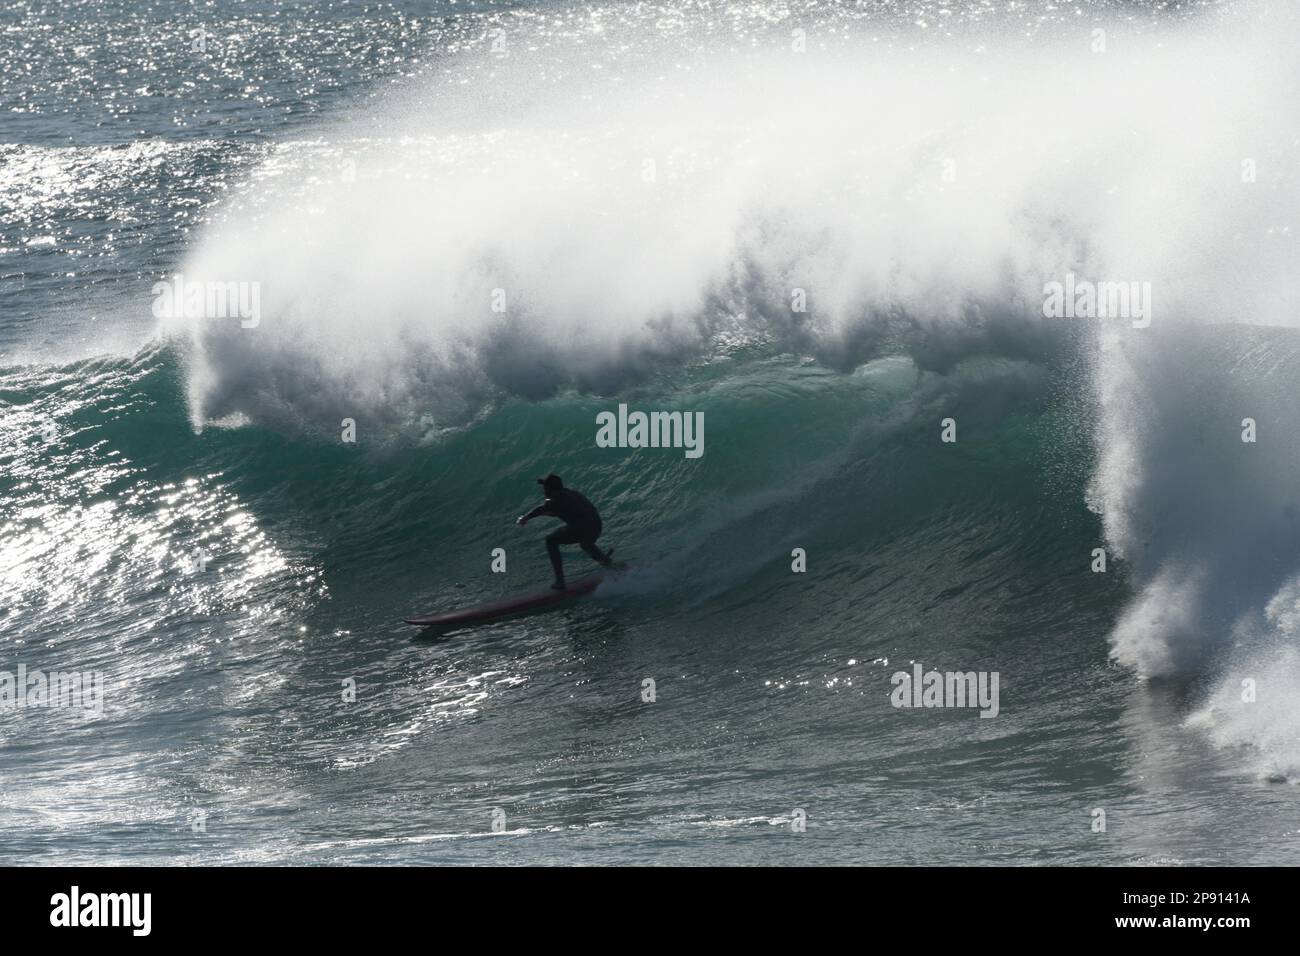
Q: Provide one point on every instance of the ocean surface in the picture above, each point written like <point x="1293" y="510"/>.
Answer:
<point x="471" y="228"/>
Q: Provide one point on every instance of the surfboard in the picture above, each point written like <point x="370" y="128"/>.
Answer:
<point x="511" y="605"/>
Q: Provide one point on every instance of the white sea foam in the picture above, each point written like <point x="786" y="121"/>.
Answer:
<point x="826" y="171"/>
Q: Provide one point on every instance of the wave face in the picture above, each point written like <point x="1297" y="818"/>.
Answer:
<point x="566" y="207"/>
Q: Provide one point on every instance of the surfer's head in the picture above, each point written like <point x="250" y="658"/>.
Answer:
<point x="551" y="484"/>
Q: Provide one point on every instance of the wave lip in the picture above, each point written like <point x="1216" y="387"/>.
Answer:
<point x="510" y="235"/>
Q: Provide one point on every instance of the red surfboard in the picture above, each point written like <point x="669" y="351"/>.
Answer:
<point x="512" y="605"/>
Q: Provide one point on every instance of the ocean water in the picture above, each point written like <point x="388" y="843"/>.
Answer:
<point x="639" y="190"/>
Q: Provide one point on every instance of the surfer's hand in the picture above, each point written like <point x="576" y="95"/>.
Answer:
<point x="521" y="521"/>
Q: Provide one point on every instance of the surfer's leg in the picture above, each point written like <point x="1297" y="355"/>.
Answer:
<point x="600" y="557"/>
<point x="553" y="541"/>
<point x="587" y="536"/>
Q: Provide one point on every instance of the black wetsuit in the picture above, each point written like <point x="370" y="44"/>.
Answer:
<point x="582" y="526"/>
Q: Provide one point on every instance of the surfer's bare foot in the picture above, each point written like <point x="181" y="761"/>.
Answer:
<point x="557" y="586"/>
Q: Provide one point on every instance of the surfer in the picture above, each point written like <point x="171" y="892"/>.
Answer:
<point x="581" y="524"/>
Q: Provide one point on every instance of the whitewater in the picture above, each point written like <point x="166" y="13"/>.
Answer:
<point x="826" y="231"/>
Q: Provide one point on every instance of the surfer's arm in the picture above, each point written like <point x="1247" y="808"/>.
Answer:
<point x="541" y="511"/>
